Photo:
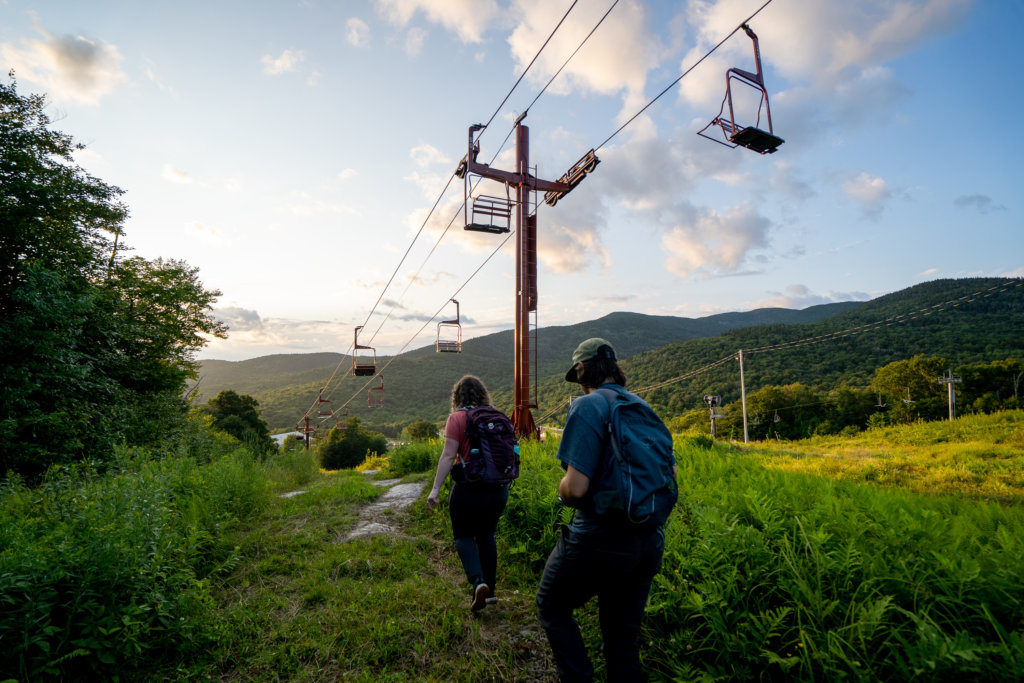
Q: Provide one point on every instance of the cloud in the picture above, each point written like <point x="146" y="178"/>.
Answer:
<point x="928" y="273"/>
<point x="308" y="206"/>
<point x="713" y="243"/>
<point x="288" y="61"/>
<point x="414" y="40"/>
<point x="615" y="60"/>
<point x="176" y="175"/>
<point x="206" y="233"/>
<point x="357" y="33"/>
<point x="838" y="48"/>
<point x="238" y="319"/>
<point x="800" y="296"/>
<point x="468" y="19"/>
<point x="871" y="192"/>
<point x="347" y="174"/>
<point x="67" y="66"/>
<point x="425" y="155"/>
<point x="150" y="73"/>
<point x="980" y="202"/>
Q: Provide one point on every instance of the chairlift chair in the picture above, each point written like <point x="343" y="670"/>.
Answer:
<point x="375" y="396"/>
<point x="364" y="365"/>
<point x="776" y="418"/>
<point x="451" y="328"/>
<point x="323" y="405"/>
<point x="342" y="422"/>
<point x="483" y="213"/>
<point x="734" y="133"/>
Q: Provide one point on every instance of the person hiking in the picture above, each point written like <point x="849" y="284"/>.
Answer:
<point x="474" y="506"/>
<point x="607" y="555"/>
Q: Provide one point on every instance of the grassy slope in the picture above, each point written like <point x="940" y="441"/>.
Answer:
<point x="303" y="605"/>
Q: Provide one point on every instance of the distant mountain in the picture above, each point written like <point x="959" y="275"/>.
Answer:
<point x="417" y="383"/>
<point x="965" y="321"/>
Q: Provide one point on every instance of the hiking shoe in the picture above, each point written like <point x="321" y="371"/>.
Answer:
<point x="493" y="600"/>
<point x="480" y="595"/>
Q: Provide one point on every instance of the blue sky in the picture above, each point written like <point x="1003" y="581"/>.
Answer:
<point x="292" y="151"/>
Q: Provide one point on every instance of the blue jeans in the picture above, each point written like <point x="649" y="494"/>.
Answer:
<point x="475" y="510"/>
<point x="616" y="566"/>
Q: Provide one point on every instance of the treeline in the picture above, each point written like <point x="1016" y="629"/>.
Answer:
<point x="900" y="393"/>
<point x="95" y="345"/>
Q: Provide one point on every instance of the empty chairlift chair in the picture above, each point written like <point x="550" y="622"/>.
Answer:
<point x="375" y="396"/>
<point x="363" y="364"/>
<point x="449" y="334"/>
<point x="323" y="405"/>
<point x="483" y="213"/>
<point x="734" y="133"/>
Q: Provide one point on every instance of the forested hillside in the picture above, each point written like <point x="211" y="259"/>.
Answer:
<point x="417" y="383"/>
<point x="964" y="321"/>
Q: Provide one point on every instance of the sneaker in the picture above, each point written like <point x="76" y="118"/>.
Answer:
<point x="493" y="600"/>
<point x="480" y="595"/>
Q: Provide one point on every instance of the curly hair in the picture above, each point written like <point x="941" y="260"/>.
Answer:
<point x="469" y="391"/>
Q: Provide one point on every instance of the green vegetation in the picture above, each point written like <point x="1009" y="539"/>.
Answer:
<point x="859" y="558"/>
<point x="239" y="416"/>
<point x="348" y="448"/>
<point x="97" y="346"/>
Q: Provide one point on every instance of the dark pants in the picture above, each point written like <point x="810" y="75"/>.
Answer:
<point x="475" y="510"/>
<point x="618" y="568"/>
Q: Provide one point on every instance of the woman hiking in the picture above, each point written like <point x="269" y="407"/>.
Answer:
<point x="474" y="507"/>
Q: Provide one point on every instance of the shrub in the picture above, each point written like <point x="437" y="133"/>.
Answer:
<point x="420" y="456"/>
<point x="347" y="448"/>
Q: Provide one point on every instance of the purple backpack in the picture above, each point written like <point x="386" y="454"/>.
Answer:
<point x="493" y="448"/>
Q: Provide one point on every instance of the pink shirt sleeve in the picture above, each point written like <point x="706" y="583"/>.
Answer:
<point x="455" y="428"/>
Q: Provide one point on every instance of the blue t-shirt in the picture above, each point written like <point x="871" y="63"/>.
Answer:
<point x="584" y="446"/>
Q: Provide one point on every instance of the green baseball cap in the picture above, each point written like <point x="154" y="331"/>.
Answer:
<point x="595" y="347"/>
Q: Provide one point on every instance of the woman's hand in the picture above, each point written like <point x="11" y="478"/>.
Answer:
<point x="433" y="500"/>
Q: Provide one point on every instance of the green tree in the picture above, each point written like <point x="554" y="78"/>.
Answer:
<point x="911" y="388"/>
<point x="347" y="448"/>
<point x="94" y="349"/>
<point x="421" y="431"/>
<point x="239" y="416"/>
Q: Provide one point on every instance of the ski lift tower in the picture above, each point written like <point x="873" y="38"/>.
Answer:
<point x="525" y="186"/>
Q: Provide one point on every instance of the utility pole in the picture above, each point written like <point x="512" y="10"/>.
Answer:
<point x="743" y="396"/>
<point x="950" y="380"/>
<point x="713" y="402"/>
<point x="525" y="185"/>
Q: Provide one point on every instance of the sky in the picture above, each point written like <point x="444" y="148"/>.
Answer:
<point x="301" y="153"/>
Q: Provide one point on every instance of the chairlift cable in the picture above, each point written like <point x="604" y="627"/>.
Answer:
<point x="528" y="66"/>
<point x="683" y="75"/>
<point x="431" y="320"/>
<point x="569" y="58"/>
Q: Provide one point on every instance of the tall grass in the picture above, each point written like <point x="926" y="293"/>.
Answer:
<point x="104" y="571"/>
<point x="771" y="575"/>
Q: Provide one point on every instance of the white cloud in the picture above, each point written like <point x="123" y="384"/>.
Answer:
<point x="347" y="174"/>
<point x="838" y="48"/>
<point x="871" y="192"/>
<point x="287" y="61"/>
<point x="206" y="233"/>
<point x="314" y="207"/>
<point x="357" y="33"/>
<point x="414" y="40"/>
<point x="714" y="243"/>
<point x="426" y="155"/>
<point x="176" y="175"/>
<point x="468" y="19"/>
<point x="615" y="60"/>
<point x="74" y="67"/>
<point x="928" y="273"/>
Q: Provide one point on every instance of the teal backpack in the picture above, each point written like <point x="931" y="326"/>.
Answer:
<point x="642" y="463"/>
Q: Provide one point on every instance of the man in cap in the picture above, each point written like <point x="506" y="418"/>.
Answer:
<point x="596" y="555"/>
